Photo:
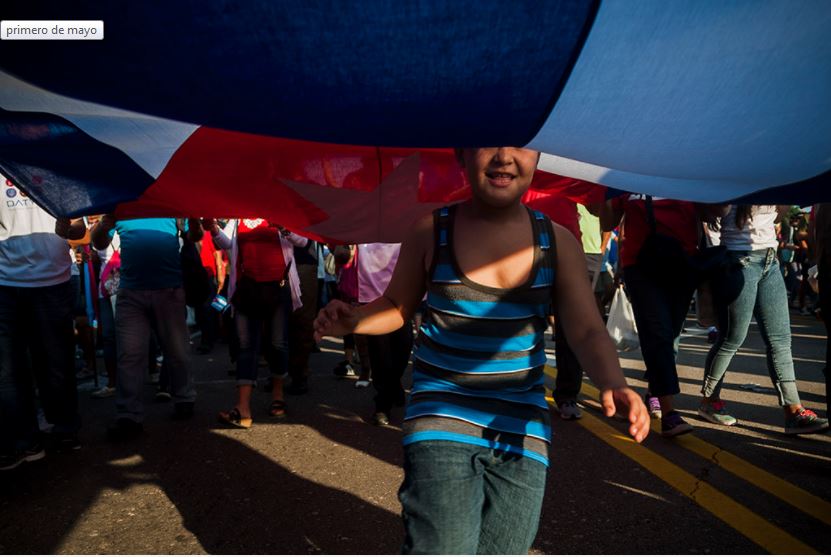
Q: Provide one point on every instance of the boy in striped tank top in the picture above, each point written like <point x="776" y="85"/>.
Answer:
<point x="477" y="425"/>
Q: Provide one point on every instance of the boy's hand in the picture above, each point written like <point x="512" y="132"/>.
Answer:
<point x="337" y="318"/>
<point x="627" y="399"/>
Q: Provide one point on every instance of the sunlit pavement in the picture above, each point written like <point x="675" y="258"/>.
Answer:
<point x="325" y="481"/>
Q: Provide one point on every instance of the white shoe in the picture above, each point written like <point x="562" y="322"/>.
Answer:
<point x="569" y="410"/>
<point x="103" y="392"/>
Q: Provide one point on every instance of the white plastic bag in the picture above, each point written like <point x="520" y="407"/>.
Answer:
<point x="621" y="324"/>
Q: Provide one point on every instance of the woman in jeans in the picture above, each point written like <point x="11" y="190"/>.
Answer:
<point x="264" y="288"/>
<point x="753" y="286"/>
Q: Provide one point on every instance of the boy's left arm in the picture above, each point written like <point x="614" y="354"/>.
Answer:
<point x="588" y="338"/>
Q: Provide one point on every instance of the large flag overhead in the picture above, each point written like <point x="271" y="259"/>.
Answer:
<point x="337" y="111"/>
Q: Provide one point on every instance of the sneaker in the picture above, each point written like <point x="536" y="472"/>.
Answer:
<point x="103" y="392"/>
<point x="653" y="405"/>
<point x="381" y="419"/>
<point x="805" y="421"/>
<point x="712" y="335"/>
<point x="363" y="383"/>
<point x="673" y="425"/>
<point x="569" y="410"/>
<point x="161" y="396"/>
<point x="124" y="429"/>
<point x="34" y="452"/>
<point x="715" y="412"/>
<point x="182" y="411"/>
<point x="344" y="369"/>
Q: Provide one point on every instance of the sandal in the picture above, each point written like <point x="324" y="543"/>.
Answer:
<point x="277" y="410"/>
<point x="234" y="418"/>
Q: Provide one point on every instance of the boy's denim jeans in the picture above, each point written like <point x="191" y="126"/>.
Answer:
<point x="660" y="310"/>
<point x="753" y="286"/>
<point x="464" y="499"/>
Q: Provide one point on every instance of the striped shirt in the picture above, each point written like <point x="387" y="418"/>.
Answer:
<point x="478" y="373"/>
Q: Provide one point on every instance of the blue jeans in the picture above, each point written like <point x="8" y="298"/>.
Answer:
<point x="36" y="328"/>
<point x="464" y="499"/>
<point x="660" y="310"/>
<point x="250" y="333"/>
<point x="752" y="286"/>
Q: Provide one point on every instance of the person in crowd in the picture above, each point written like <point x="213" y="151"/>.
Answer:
<point x="85" y="331"/>
<point x="151" y="297"/>
<point x="389" y="354"/>
<point x="36" y="338"/>
<point x="108" y="281"/>
<point x="820" y="232"/>
<point x="569" y="372"/>
<point x="264" y="288"/>
<point x="753" y="286"/>
<point x="476" y="428"/>
<point x="346" y="265"/>
<point x="301" y="321"/>
<point x="207" y="317"/>
<point x="803" y="259"/>
<point x="660" y="290"/>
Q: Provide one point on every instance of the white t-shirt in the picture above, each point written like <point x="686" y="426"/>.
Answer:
<point x="376" y="263"/>
<point x="758" y="233"/>
<point x="31" y="254"/>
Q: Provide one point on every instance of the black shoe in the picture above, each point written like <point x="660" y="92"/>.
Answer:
<point x="182" y="410"/>
<point x="162" y="396"/>
<point x="65" y="442"/>
<point x="381" y="419"/>
<point x="298" y="387"/>
<point x="124" y="429"/>
<point x="32" y="453"/>
<point x="268" y="385"/>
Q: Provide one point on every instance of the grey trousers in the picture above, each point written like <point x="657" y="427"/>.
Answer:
<point x="137" y="312"/>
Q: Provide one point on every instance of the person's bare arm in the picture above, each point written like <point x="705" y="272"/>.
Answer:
<point x="70" y="229"/>
<point x="588" y="338"/>
<point x="100" y="233"/>
<point x="400" y="300"/>
<point x="221" y="237"/>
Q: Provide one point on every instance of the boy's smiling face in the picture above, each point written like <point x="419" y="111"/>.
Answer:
<point x="499" y="176"/>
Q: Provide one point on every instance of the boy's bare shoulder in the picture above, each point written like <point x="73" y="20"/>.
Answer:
<point x="565" y="238"/>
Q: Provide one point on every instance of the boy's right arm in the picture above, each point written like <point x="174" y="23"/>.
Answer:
<point x="400" y="300"/>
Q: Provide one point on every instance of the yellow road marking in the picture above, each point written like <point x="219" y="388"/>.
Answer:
<point x="731" y="512"/>
<point x="752" y="526"/>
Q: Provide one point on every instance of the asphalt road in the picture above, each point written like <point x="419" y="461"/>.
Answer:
<point x="325" y="480"/>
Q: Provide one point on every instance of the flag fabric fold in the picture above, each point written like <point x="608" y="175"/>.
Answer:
<point x="337" y="119"/>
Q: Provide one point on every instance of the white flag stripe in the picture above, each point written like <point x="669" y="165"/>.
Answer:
<point x="701" y="97"/>
<point x="149" y="141"/>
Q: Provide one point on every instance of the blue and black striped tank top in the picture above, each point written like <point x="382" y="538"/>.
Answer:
<point x="479" y="362"/>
